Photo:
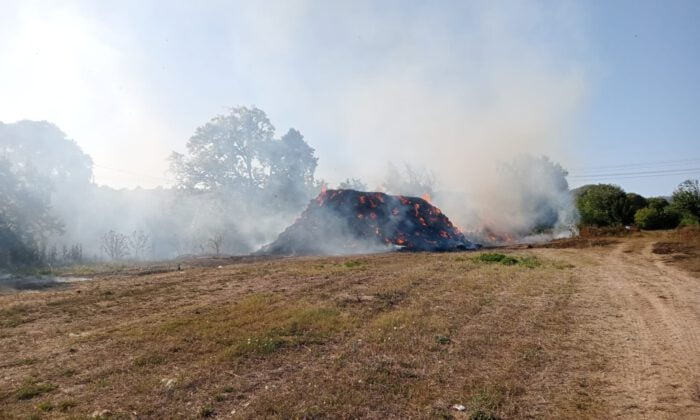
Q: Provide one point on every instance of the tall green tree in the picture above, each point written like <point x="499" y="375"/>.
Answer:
<point x="228" y="152"/>
<point x="602" y="205"/>
<point x="41" y="145"/>
<point x="686" y="201"/>
<point x="635" y="202"/>
<point x="25" y="217"/>
<point x="238" y="151"/>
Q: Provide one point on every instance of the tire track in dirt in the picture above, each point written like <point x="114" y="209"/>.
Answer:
<point x="648" y="322"/>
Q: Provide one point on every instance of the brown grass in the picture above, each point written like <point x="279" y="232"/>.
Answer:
<point x="393" y="335"/>
<point x="681" y="248"/>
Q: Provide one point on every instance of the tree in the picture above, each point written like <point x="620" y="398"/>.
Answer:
<point x="658" y="203"/>
<point x="138" y="241"/>
<point x="39" y="166"/>
<point x="244" y="178"/>
<point x="292" y="167"/>
<point x="42" y="145"/>
<point x="25" y="217"/>
<point x="216" y="242"/>
<point x="602" y="205"/>
<point x="115" y="245"/>
<point x="635" y="202"/>
<point x="227" y="152"/>
<point x="686" y="201"/>
<point x="411" y="180"/>
<point x="655" y="217"/>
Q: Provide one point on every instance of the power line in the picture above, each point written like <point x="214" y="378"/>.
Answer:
<point x="631" y="177"/>
<point x="656" y="172"/>
<point x="640" y="164"/>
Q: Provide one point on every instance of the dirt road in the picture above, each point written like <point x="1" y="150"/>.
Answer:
<point x="648" y="317"/>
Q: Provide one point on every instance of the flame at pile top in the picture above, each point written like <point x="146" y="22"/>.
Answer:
<point x="349" y="221"/>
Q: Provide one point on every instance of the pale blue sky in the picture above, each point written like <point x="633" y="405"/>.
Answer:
<point x="454" y="86"/>
<point x="645" y="100"/>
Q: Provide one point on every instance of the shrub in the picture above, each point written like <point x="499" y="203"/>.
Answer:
<point x="31" y="390"/>
<point x="492" y="257"/>
<point x="496" y="258"/>
<point x="651" y="218"/>
<point x="602" y="205"/>
<point x="689" y="220"/>
<point x="686" y="200"/>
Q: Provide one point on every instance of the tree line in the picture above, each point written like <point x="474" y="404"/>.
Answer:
<point x="237" y="184"/>
<point x="606" y="205"/>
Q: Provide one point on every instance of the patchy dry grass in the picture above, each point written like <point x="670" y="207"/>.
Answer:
<point x="393" y="335"/>
<point x="33" y="389"/>
<point x="257" y="325"/>
<point x="681" y="247"/>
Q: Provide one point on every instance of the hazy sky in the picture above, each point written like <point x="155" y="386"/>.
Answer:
<point x="605" y="88"/>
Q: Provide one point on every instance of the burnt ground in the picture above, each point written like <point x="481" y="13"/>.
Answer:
<point x="569" y="332"/>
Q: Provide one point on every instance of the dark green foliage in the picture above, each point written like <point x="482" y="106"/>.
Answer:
<point x="658" y="203"/>
<point x="651" y="218"/>
<point x="238" y="152"/>
<point x="36" y="161"/>
<point x="491" y="257"/>
<point x="603" y="205"/>
<point x="686" y="201"/>
<point x="657" y="215"/>
<point x="496" y="258"/>
<point x="24" y="215"/>
<point x="635" y="202"/>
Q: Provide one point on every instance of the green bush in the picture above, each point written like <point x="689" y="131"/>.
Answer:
<point x="686" y="200"/>
<point x="689" y="220"/>
<point x="496" y="258"/>
<point x="651" y="218"/>
<point x="493" y="257"/>
<point x="603" y="205"/>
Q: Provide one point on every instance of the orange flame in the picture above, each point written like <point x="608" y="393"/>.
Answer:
<point x="322" y="197"/>
<point x="426" y="197"/>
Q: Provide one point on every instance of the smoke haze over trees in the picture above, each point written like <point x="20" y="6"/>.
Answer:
<point x="237" y="188"/>
<point x="239" y="185"/>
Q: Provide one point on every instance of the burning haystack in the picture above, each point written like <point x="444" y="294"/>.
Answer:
<point x="349" y="221"/>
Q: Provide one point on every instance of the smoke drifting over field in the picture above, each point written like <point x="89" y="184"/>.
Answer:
<point x="469" y="97"/>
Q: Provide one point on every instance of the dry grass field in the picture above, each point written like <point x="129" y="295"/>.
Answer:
<point x="582" y="329"/>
